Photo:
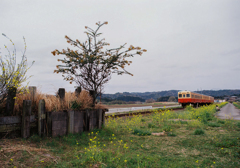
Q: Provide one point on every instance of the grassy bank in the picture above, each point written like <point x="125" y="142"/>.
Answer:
<point x="237" y="104"/>
<point x="155" y="104"/>
<point x="192" y="138"/>
<point x="144" y="110"/>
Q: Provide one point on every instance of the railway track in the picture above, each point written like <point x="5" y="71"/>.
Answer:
<point x="136" y="113"/>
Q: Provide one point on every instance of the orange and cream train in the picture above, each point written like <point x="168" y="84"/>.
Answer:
<point x="190" y="98"/>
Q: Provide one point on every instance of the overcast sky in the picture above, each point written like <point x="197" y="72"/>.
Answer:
<point x="191" y="44"/>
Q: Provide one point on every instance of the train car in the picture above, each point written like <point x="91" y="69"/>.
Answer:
<point x="190" y="98"/>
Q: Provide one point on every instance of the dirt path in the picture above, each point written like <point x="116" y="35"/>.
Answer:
<point x="229" y="112"/>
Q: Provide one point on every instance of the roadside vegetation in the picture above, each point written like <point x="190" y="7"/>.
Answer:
<point x="237" y="104"/>
<point x="132" y="104"/>
<point x="191" y="138"/>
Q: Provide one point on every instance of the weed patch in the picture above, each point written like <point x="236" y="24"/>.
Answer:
<point x="183" y="122"/>
<point x="167" y="128"/>
<point x="213" y="124"/>
<point x="140" y="132"/>
<point x="198" y="132"/>
<point x="150" y="125"/>
<point x="226" y="142"/>
<point x="238" y="124"/>
<point x="171" y="134"/>
<point x="221" y="121"/>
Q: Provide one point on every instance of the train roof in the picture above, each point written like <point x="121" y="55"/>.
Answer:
<point x="187" y="91"/>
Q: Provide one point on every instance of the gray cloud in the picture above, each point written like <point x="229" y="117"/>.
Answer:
<point x="191" y="44"/>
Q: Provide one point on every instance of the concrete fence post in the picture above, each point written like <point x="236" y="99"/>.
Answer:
<point x="91" y="123"/>
<point x="33" y="91"/>
<point x="49" y="123"/>
<point x="78" y="121"/>
<point x="86" y="120"/>
<point x="10" y="101"/>
<point x="33" y="95"/>
<point x="99" y="118"/>
<point x="103" y="117"/>
<point x="70" y="122"/>
<point x="92" y="94"/>
<point x="41" y="117"/>
<point x="25" y="130"/>
<point x="78" y="91"/>
<point x="61" y="93"/>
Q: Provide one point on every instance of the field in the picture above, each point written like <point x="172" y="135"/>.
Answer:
<point x="156" y="104"/>
<point x="191" y="138"/>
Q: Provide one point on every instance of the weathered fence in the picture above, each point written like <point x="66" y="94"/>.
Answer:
<point x="53" y="124"/>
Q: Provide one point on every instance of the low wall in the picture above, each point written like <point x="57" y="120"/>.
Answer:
<point x="51" y="123"/>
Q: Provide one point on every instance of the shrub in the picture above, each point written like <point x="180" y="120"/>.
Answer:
<point x="140" y="132"/>
<point x="194" y="124"/>
<point x="226" y="142"/>
<point x="167" y="128"/>
<point x="171" y="134"/>
<point x="236" y="104"/>
<point x="198" y="132"/>
<point x="150" y="125"/>
<point x="189" y="108"/>
<point x="183" y="122"/>
<point x="238" y="124"/>
<point x="221" y="121"/>
<point x="213" y="124"/>
<point x="222" y="104"/>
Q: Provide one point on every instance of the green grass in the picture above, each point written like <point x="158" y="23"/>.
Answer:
<point x="171" y="134"/>
<point x="214" y="124"/>
<point x="127" y="142"/>
<point x="140" y="132"/>
<point x="198" y="132"/>
<point x="237" y="104"/>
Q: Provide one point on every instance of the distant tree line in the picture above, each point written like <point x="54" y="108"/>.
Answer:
<point x="122" y="98"/>
<point x="167" y="98"/>
<point x="133" y="99"/>
<point x="219" y="94"/>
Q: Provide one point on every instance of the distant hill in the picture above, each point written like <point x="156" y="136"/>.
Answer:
<point x="142" y="96"/>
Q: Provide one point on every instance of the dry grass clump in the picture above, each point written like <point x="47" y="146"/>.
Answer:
<point x="18" y="106"/>
<point x="100" y="106"/>
<point x="83" y="101"/>
<point x="53" y="103"/>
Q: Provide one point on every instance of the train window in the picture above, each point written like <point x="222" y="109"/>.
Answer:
<point x="184" y="95"/>
<point x="180" y="95"/>
<point x="188" y="95"/>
